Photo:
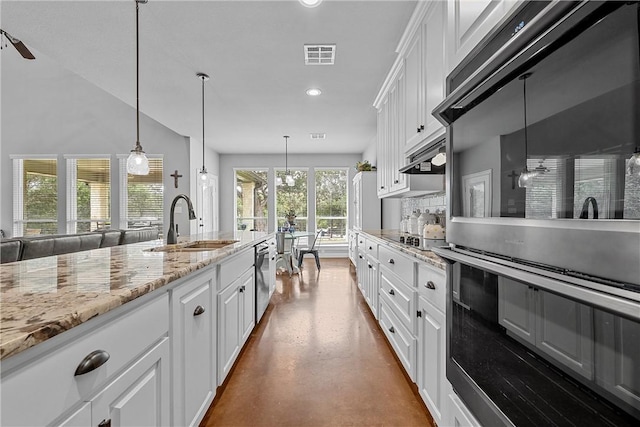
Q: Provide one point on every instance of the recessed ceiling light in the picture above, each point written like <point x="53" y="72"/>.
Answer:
<point x="310" y="3"/>
<point x="314" y="91"/>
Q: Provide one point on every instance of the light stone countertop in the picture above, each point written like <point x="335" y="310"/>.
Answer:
<point x="391" y="238"/>
<point x="43" y="297"/>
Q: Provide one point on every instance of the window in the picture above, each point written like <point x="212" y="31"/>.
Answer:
<point x="141" y="199"/>
<point x="294" y="198"/>
<point x="252" y="191"/>
<point x="35" y="196"/>
<point x="331" y="205"/>
<point x="88" y="194"/>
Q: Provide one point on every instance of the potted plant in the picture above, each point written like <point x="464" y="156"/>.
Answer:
<point x="364" y="166"/>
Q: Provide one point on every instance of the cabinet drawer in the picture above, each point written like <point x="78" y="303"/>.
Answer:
<point x="232" y="268"/>
<point x="402" y="266"/>
<point x="49" y="380"/>
<point x="371" y="247"/>
<point x="432" y="285"/>
<point x="403" y="342"/>
<point x="401" y="298"/>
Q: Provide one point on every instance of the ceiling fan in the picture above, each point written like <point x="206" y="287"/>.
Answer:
<point x="20" y="47"/>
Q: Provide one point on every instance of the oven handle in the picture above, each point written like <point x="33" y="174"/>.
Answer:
<point x="558" y="15"/>
<point x="616" y="304"/>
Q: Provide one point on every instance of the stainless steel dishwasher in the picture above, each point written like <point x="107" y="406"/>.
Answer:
<point x="262" y="279"/>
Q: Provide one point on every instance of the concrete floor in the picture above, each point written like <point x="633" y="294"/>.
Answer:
<point x="317" y="358"/>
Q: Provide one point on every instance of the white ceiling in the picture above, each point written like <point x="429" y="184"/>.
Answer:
<point x="253" y="51"/>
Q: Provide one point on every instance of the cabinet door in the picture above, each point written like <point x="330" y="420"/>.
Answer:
<point x="399" y="180"/>
<point x="469" y="22"/>
<point x="229" y="329"/>
<point x="194" y="351"/>
<point x="618" y="356"/>
<point x="248" y="304"/>
<point x="459" y="415"/>
<point x="357" y="203"/>
<point x="433" y="65"/>
<point x="431" y="358"/>
<point x="140" y="395"/>
<point x="516" y="309"/>
<point x="564" y="332"/>
<point x="373" y="287"/>
<point x="384" y="163"/>
<point x="362" y="271"/>
<point x="413" y="91"/>
<point x="79" y="418"/>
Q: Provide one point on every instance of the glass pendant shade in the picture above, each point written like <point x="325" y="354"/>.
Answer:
<point x="633" y="164"/>
<point x="525" y="180"/>
<point x="289" y="179"/>
<point x="278" y="181"/>
<point x="137" y="162"/>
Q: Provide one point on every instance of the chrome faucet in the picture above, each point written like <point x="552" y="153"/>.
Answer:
<point x="172" y="235"/>
<point x="584" y="214"/>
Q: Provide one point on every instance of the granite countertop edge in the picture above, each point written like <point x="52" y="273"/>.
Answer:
<point x="32" y="315"/>
<point x="391" y="238"/>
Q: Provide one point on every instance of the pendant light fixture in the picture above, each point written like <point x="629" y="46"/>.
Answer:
<point x="204" y="176"/>
<point x="526" y="176"/>
<point x="633" y="163"/>
<point x="288" y="178"/>
<point x="137" y="162"/>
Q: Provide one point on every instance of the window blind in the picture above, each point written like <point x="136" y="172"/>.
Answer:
<point x="35" y="195"/>
<point x="142" y="200"/>
<point x="88" y="194"/>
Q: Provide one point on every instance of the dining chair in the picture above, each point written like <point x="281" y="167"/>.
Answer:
<point x="285" y="253"/>
<point x="310" y="250"/>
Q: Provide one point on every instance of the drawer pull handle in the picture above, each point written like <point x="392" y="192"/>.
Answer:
<point x="360" y="256"/>
<point x="393" y="331"/>
<point x="242" y="288"/>
<point x="92" y="361"/>
<point x="369" y="265"/>
<point x="391" y="261"/>
<point x="198" y="311"/>
<point x="105" y="423"/>
<point x="430" y="285"/>
<point x="391" y="292"/>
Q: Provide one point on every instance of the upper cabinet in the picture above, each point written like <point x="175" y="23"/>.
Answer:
<point x="469" y="22"/>
<point x="424" y="53"/>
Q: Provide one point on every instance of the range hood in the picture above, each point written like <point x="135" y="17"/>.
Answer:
<point x="425" y="161"/>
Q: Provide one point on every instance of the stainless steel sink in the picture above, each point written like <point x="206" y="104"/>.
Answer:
<point x="200" y="245"/>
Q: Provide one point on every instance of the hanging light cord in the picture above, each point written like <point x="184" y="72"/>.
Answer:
<point x="203" y="168"/>
<point x="138" y="146"/>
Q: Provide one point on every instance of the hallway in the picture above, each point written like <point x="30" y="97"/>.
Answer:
<point x="317" y="359"/>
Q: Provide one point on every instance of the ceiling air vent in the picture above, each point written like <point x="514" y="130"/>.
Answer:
<point x="318" y="135"/>
<point x="319" y="54"/>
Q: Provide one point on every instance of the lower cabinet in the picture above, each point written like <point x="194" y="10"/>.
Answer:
<point x="372" y="285"/>
<point x="459" y="415"/>
<point x="194" y="349"/>
<point x="402" y="341"/>
<point x="432" y="377"/>
<point x="140" y="395"/>
<point x="236" y="314"/>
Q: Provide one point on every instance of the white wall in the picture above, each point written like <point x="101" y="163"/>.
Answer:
<point x="230" y="161"/>
<point x="371" y="153"/>
<point x="49" y="110"/>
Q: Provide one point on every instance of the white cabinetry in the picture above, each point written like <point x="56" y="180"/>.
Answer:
<point x="431" y="379"/>
<point x="194" y="349"/>
<point x="560" y="327"/>
<point x="425" y="74"/>
<point x="134" y="376"/>
<point x="236" y="309"/>
<point x="469" y="22"/>
<point x="413" y="88"/>
<point x="140" y="395"/>
<point x="459" y="415"/>
<point x="367" y="210"/>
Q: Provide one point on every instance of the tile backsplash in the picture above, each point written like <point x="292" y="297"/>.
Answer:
<point x="432" y="202"/>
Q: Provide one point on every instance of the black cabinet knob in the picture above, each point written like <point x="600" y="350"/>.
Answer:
<point x="198" y="311"/>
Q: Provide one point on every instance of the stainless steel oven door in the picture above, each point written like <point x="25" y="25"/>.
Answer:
<point x="529" y="347"/>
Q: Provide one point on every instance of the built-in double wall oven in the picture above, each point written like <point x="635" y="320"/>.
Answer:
<point x="543" y="169"/>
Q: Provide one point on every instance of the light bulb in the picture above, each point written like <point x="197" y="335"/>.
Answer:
<point x="137" y="163"/>
<point x="439" y="159"/>
<point x="633" y="163"/>
<point x="278" y="181"/>
<point x="290" y="181"/>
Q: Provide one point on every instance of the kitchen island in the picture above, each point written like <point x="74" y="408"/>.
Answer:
<point x="122" y="309"/>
